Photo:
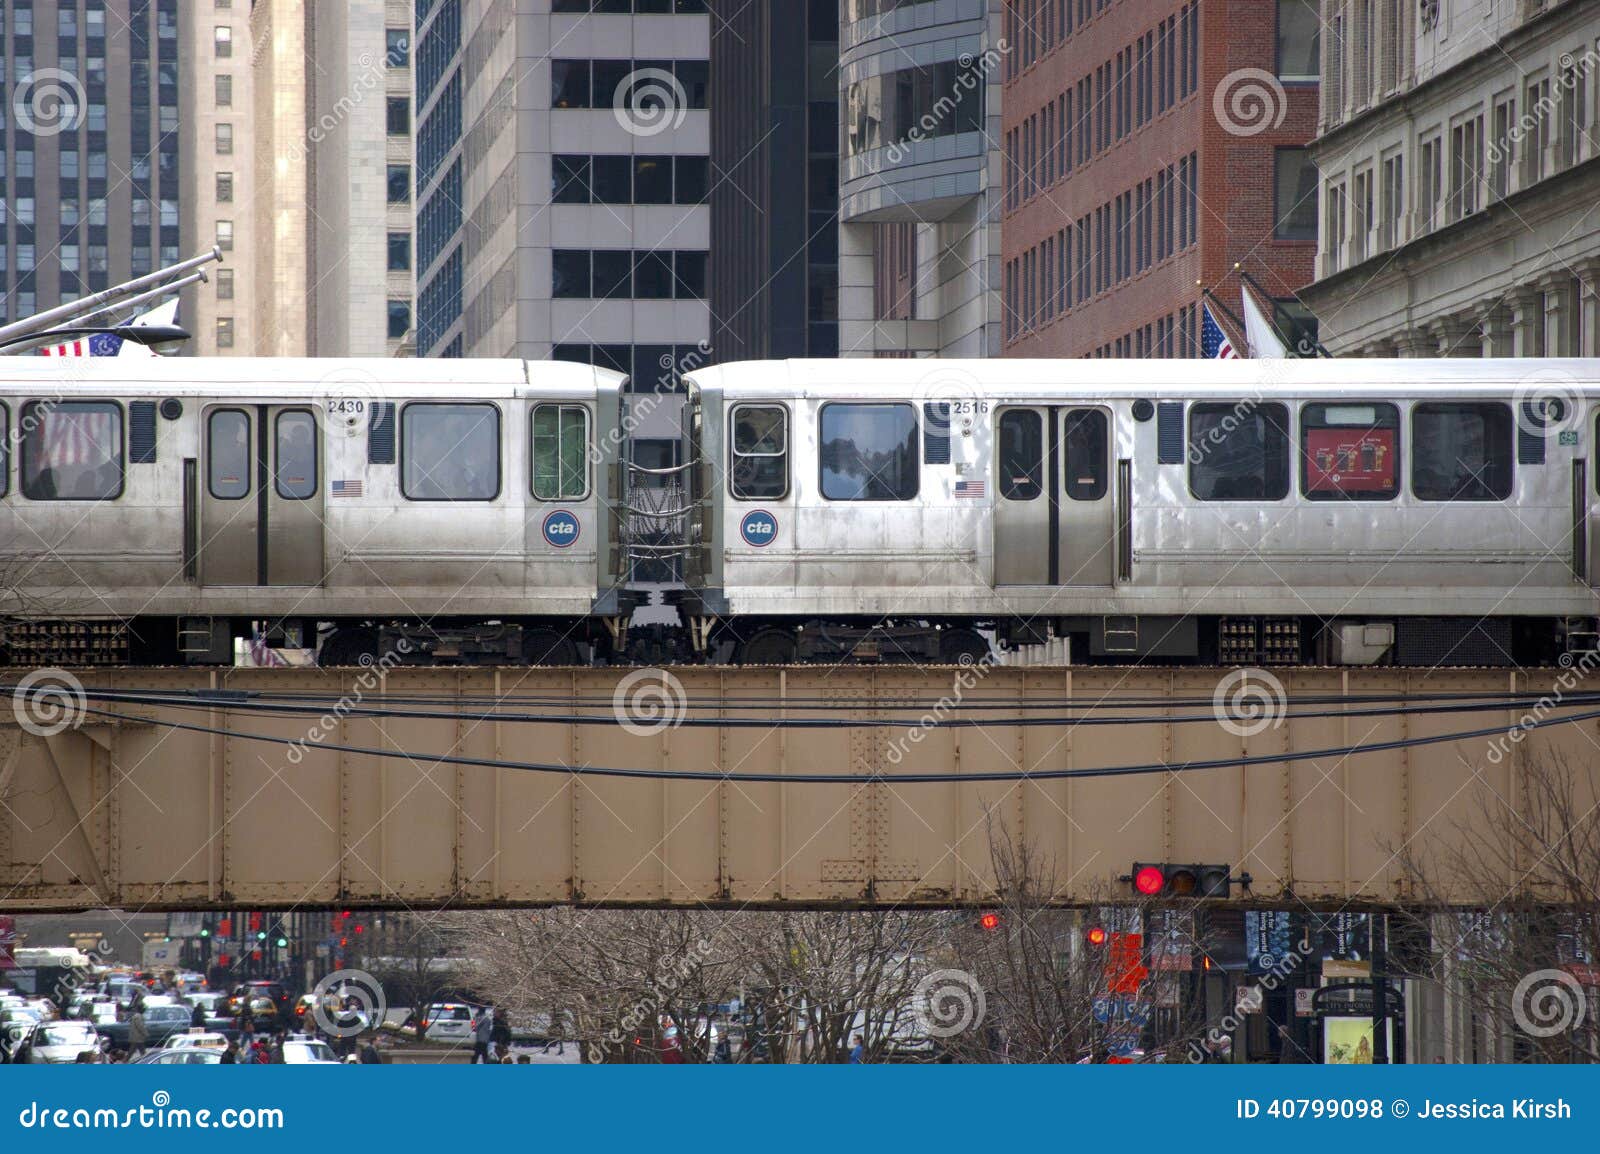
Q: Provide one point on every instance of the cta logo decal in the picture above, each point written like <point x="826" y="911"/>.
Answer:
<point x="561" y="529"/>
<point x="759" y="528"/>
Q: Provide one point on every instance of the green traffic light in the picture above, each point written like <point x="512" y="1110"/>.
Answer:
<point x="282" y="942"/>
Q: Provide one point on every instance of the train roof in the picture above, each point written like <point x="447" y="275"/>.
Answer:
<point x="939" y="379"/>
<point x="370" y="378"/>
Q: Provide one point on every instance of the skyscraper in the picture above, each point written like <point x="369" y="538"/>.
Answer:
<point x="92" y="169"/>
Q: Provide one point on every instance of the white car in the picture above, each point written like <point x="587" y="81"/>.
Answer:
<point x="447" y="1022"/>
<point x="197" y="1040"/>
<point x="57" y="1043"/>
<point x="299" y="1051"/>
<point x="188" y="1057"/>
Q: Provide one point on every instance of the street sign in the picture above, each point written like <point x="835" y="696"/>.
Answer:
<point x="1303" y="1005"/>
<point x="1125" y="969"/>
<point x="1248" y="1000"/>
<point x="1134" y="1011"/>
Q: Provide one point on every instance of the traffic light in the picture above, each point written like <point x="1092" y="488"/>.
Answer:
<point x="1096" y="936"/>
<point x="989" y="922"/>
<point x="1174" y="880"/>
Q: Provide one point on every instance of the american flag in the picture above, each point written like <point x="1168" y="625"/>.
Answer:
<point x="1214" y="343"/>
<point x="77" y="439"/>
<point x="969" y="488"/>
<point x="97" y="345"/>
<point x="345" y="488"/>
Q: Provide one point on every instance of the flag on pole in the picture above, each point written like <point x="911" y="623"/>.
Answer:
<point x="1214" y="343"/>
<point x="1258" y="331"/>
<point x="110" y="345"/>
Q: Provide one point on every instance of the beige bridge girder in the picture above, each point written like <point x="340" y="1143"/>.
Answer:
<point x="134" y="813"/>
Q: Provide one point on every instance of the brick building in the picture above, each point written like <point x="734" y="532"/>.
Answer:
<point x="1150" y="145"/>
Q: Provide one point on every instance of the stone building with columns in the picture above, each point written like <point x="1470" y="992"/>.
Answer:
<point x="1459" y="162"/>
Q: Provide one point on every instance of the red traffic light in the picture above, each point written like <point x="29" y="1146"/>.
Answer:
<point x="989" y="921"/>
<point x="1149" y="881"/>
<point x="1095" y="936"/>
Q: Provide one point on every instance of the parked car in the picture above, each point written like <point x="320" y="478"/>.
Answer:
<point x="57" y="1043"/>
<point x="446" y="1022"/>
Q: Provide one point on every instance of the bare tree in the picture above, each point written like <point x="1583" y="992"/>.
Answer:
<point x="1521" y="966"/>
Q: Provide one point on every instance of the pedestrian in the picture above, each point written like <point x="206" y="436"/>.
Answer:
<point x="858" y="1051"/>
<point x="482" y="1032"/>
<point x="138" y="1032"/>
<point x="197" y="1017"/>
<point x="369" y="1053"/>
<point x="230" y="1053"/>
<point x="500" y="1034"/>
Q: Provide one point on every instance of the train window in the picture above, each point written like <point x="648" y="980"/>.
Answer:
<point x="71" y="451"/>
<point x="5" y="450"/>
<point x="228" y="454"/>
<point x="869" y="453"/>
<point x="560" y="452"/>
<point x="1461" y="451"/>
<point x="297" y="455"/>
<point x="1084" y="438"/>
<point x="760" y="452"/>
<point x="1239" y="451"/>
<point x="1021" y="454"/>
<point x="1350" y="452"/>
<point x="450" y="452"/>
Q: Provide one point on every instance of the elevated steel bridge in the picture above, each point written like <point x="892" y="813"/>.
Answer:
<point x="802" y="787"/>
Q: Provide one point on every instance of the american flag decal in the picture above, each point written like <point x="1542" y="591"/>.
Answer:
<point x="969" y="488"/>
<point x="345" y="489"/>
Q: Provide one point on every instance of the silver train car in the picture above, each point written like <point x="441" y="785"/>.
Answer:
<point x="156" y="511"/>
<point x="1416" y="512"/>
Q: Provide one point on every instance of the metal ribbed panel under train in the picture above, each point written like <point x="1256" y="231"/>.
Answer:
<point x="791" y="787"/>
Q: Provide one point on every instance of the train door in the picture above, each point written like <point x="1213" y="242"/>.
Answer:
<point x="1024" y="505"/>
<point x="1087" y="521"/>
<point x="261" y="497"/>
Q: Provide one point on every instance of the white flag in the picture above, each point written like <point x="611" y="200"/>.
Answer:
<point x="1258" y="331"/>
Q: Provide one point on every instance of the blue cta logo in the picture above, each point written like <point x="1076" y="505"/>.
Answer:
<point x="561" y="529"/>
<point x="759" y="528"/>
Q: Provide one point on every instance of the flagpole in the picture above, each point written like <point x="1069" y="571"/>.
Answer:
<point x="1277" y="309"/>
<point x="65" y="314"/>
<point x="145" y="297"/>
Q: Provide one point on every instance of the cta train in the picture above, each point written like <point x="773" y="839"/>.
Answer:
<point x="1408" y="512"/>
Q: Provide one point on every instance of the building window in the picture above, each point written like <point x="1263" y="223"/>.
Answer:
<point x="1537" y="110"/>
<point x="399" y="184"/>
<point x="223" y="40"/>
<point x="1295" y="195"/>
<point x="869" y="453"/>
<point x="399" y="116"/>
<point x="224" y="332"/>
<point x="399" y="252"/>
<point x="225" y="235"/>
<point x="224" y="188"/>
<point x="397" y="44"/>
<point x="224" y="140"/>
<point x="1299" y="40"/>
<point x="224" y="284"/>
<point x="1430" y="173"/>
<point x="1466" y="166"/>
<point x="399" y="319"/>
<point x="1503" y="148"/>
<point x="1393" y="202"/>
<point x="224" y="91"/>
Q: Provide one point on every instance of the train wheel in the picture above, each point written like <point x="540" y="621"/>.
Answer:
<point x="768" y="647"/>
<point x="548" y="647"/>
<point x="349" y="647"/>
<point x="963" y="647"/>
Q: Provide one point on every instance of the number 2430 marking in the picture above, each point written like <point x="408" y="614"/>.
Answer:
<point x="345" y="406"/>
